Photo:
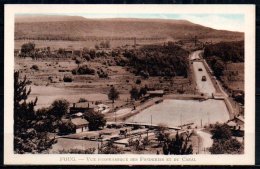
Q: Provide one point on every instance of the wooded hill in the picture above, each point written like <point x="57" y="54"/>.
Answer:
<point x="43" y="27"/>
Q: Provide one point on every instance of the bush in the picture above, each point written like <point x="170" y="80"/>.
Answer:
<point x="144" y="74"/>
<point x="67" y="78"/>
<point x="35" y="67"/>
<point x="83" y="70"/>
<point x="87" y="57"/>
<point x="78" y="151"/>
<point x="74" y="71"/>
<point x="102" y="74"/>
<point x="82" y="100"/>
<point x="66" y="128"/>
<point x="138" y="81"/>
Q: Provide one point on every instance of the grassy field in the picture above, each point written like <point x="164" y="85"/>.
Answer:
<point x="68" y="144"/>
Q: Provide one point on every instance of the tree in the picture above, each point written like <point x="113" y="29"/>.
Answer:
<point x="134" y="93"/>
<point x="59" y="108"/>
<point x="78" y="61"/>
<point x="143" y="91"/>
<point x="145" y="141"/>
<point x="27" y="49"/>
<point x="231" y="146"/>
<point x="96" y="46"/>
<point x="96" y="120"/>
<point x="26" y="138"/>
<point x="221" y="132"/>
<point x="223" y="142"/>
<point x="22" y="110"/>
<point x="218" y="68"/>
<point x="66" y="128"/>
<point x="113" y="94"/>
<point x="178" y="145"/>
<point x="161" y="133"/>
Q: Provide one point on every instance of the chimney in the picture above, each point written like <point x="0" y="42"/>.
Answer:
<point x="74" y="105"/>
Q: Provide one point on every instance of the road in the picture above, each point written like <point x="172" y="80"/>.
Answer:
<point x="121" y="113"/>
<point x="195" y="55"/>
<point x="207" y="86"/>
<point x="206" y="141"/>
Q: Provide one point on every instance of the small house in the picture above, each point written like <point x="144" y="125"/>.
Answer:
<point x="82" y="107"/>
<point x="237" y="125"/>
<point x="81" y="124"/>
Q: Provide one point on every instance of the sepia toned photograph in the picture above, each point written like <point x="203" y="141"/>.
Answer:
<point x="100" y="83"/>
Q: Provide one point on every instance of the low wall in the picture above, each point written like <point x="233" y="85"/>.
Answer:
<point x="230" y="108"/>
<point x="185" y="97"/>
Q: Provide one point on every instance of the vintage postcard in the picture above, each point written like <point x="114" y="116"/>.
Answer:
<point x="129" y="84"/>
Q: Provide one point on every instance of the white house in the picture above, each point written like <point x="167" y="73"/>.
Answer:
<point x="81" y="124"/>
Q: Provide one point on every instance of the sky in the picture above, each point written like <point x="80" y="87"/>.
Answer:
<point x="232" y="22"/>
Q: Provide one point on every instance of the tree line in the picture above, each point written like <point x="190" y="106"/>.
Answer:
<point x="155" y="60"/>
<point x="217" y="55"/>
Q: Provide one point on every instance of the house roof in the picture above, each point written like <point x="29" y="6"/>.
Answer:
<point x="240" y="118"/>
<point x="85" y="105"/>
<point x="79" y="121"/>
<point x="231" y="123"/>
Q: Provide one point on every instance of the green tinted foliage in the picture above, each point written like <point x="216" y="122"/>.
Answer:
<point x="29" y="129"/>
<point x="231" y="146"/>
<point x="221" y="131"/>
<point x="113" y="94"/>
<point x="155" y="60"/>
<point x="134" y="92"/>
<point x="96" y="120"/>
<point x="178" y="145"/>
<point x="59" y="108"/>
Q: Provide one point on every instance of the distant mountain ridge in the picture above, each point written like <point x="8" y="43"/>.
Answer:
<point x="79" y="28"/>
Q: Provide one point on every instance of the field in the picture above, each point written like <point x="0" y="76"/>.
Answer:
<point x="68" y="144"/>
<point x="56" y="44"/>
<point x="234" y="76"/>
<point x="48" y="85"/>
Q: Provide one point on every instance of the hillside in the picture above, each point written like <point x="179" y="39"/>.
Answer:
<point x="79" y="28"/>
